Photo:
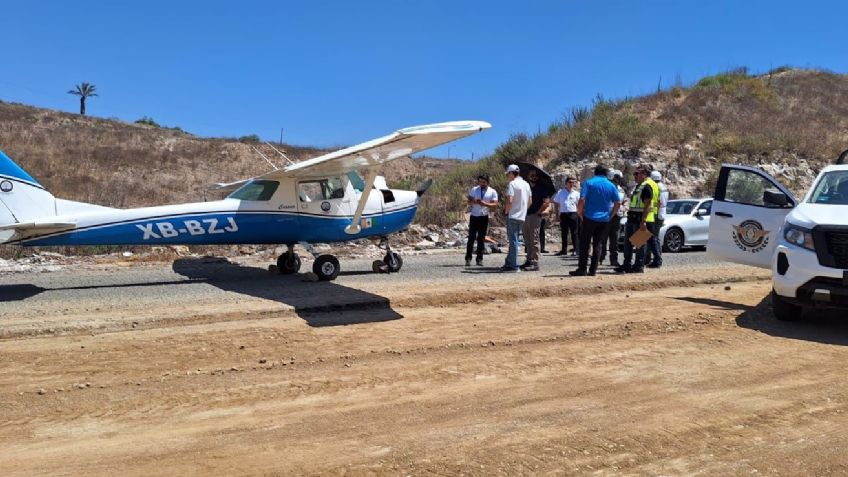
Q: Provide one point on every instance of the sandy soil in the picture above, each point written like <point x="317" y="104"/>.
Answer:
<point x="602" y="376"/>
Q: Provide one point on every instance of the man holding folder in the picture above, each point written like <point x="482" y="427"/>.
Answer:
<point x="643" y="207"/>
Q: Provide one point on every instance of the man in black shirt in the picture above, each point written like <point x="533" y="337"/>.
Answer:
<point x="538" y="208"/>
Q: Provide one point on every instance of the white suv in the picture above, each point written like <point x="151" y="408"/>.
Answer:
<point x="756" y="221"/>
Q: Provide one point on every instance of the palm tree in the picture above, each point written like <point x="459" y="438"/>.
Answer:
<point x="84" y="90"/>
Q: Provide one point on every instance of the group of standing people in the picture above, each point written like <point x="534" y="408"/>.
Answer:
<point x="590" y="218"/>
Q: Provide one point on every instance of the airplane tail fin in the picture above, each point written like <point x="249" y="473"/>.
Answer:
<point x="22" y="198"/>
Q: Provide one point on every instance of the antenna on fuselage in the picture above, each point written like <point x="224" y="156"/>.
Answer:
<point x="257" y="151"/>
<point x="281" y="153"/>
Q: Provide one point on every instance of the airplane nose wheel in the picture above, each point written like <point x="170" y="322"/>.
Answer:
<point x="393" y="262"/>
<point x="288" y="263"/>
<point x="326" y="267"/>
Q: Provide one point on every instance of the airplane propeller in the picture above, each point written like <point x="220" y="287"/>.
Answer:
<point x="422" y="187"/>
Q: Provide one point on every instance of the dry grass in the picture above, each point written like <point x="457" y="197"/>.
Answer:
<point x="117" y="164"/>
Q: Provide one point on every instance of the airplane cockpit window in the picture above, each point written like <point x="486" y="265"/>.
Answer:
<point x="310" y="191"/>
<point x="259" y="190"/>
<point x="333" y="188"/>
<point x="324" y="189"/>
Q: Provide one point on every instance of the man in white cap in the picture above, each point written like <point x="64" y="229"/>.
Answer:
<point x="518" y="199"/>
<point x="653" y="253"/>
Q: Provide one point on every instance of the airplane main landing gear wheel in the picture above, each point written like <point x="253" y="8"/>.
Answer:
<point x="288" y="263"/>
<point x="326" y="267"/>
<point x="393" y="262"/>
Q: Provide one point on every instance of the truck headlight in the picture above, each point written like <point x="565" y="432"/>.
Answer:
<point x="799" y="236"/>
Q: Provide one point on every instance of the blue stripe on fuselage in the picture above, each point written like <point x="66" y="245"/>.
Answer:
<point x="222" y="228"/>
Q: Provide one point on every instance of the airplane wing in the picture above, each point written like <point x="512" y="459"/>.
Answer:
<point x="19" y="231"/>
<point x="369" y="156"/>
<point x="375" y="153"/>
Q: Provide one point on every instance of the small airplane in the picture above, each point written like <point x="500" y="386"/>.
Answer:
<point x="320" y="200"/>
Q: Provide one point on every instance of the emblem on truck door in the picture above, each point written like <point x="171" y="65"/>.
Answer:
<point x="749" y="236"/>
<point x="6" y="186"/>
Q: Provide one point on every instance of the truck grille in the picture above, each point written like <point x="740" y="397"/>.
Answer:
<point x="837" y="247"/>
<point x="831" y="245"/>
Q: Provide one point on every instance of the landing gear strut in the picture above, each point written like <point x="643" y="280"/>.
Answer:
<point x="289" y="262"/>
<point x="391" y="263"/>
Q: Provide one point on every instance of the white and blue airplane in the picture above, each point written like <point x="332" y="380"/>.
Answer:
<point x="320" y="200"/>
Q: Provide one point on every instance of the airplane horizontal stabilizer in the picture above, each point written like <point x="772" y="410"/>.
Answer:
<point x="20" y="231"/>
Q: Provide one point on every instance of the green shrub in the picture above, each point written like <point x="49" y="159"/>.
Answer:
<point x="249" y="138"/>
<point x="147" y="121"/>
<point x="725" y="79"/>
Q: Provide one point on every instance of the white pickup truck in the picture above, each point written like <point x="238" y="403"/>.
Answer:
<point x="756" y="221"/>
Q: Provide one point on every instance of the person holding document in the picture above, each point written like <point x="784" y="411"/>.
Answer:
<point x="643" y="206"/>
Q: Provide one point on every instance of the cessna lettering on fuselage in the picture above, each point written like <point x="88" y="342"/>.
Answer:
<point x="160" y="230"/>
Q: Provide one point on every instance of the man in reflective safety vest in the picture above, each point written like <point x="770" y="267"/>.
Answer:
<point x="642" y="214"/>
<point x="653" y="254"/>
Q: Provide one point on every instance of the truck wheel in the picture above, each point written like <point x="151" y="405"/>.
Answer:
<point x="784" y="310"/>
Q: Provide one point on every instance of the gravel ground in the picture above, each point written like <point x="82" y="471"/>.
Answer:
<point x="115" y="284"/>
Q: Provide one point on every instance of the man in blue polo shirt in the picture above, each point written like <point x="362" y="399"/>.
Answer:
<point x="599" y="200"/>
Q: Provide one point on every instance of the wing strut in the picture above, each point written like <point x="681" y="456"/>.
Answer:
<point x="355" y="227"/>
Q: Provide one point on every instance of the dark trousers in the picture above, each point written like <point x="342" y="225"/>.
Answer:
<point x="569" y="224"/>
<point x="653" y="254"/>
<point x="614" y="233"/>
<point x="629" y="251"/>
<point x="542" y="228"/>
<point x="477" y="228"/>
<point x="594" y="233"/>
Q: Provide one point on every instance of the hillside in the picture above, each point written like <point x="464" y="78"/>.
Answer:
<point x="789" y="121"/>
<point x="113" y="163"/>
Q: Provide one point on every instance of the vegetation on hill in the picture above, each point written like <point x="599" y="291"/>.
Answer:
<point x="118" y="164"/>
<point x="84" y="91"/>
<point x="784" y="115"/>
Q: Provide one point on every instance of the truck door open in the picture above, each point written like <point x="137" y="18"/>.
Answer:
<point x="747" y="216"/>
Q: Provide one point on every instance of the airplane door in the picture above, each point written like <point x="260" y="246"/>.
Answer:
<point x="318" y="202"/>
<point x="747" y="216"/>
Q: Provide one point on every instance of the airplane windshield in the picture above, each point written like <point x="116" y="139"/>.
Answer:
<point x="356" y="181"/>
<point x="259" y="190"/>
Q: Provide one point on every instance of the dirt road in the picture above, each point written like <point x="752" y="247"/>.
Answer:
<point x="676" y="373"/>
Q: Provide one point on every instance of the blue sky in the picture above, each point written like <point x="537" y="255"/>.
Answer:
<point x="341" y="72"/>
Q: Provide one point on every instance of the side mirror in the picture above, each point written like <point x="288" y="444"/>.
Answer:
<point x="775" y="199"/>
<point x="702" y="212"/>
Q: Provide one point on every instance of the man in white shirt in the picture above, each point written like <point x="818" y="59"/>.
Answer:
<point x="653" y="254"/>
<point x="569" y="223"/>
<point x="482" y="200"/>
<point x="518" y="199"/>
